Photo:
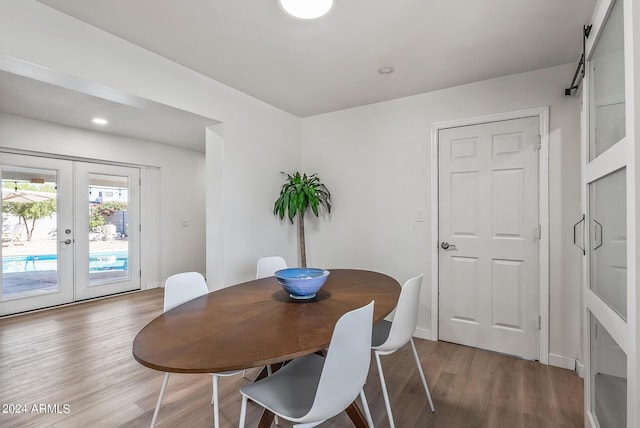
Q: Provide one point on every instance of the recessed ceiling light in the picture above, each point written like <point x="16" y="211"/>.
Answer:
<point x="100" y="121"/>
<point x="306" y="9"/>
<point x="386" y="70"/>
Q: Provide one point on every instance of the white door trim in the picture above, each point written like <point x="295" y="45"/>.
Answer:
<point x="542" y="113"/>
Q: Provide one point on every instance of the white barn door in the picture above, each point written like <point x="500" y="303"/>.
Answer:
<point x="489" y="236"/>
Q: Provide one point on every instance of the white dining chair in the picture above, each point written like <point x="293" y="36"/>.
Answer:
<point x="311" y="389"/>
<point x="389" y="336"/>
<point x="267" y="266"/>
<point x="178" y="289"/>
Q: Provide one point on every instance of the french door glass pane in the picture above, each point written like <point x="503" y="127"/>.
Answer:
<point x="29" y="242"/>
<point x="608" y="378"/>
<point x="608" y="240"/>
<point x="606" y="69"/>
<point x="108" y="228"/>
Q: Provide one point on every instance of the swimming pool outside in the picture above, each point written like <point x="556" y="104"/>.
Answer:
<point x="98" y="262"/>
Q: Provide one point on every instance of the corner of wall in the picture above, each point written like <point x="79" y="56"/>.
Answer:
<point x="423" y="333"/>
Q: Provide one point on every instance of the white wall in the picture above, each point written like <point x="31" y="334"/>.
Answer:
<point x="375" y="160"/>
<point x="255" y="142"/>
<point x="180" y="186"/>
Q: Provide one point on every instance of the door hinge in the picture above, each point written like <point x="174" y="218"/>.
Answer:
<point x="539" y="232"/>
<point x="140" y="227"/>
<point x="141" y="276"/>
<point x="539" y="146"/>
<point x="539" y="322"/>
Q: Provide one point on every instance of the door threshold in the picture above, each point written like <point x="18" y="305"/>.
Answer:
<point x="63" y="305"/>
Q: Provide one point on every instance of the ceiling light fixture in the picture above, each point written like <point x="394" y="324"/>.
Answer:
<point x="100" y="121"/>
<point x="306" y="9"/>
<point x="386" y="70"/>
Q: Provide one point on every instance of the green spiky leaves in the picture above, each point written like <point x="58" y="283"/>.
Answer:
<point x="300" y="192"/>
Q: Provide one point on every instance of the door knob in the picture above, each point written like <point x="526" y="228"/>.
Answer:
<point x="66" y="241"/>
<point x="446" y="246"/>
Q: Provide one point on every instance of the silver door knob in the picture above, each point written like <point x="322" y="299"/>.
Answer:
<point x="446" y="246"/>
<point x="66" y="241"/>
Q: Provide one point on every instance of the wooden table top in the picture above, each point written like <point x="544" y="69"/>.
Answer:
<point x="256" y="323"/>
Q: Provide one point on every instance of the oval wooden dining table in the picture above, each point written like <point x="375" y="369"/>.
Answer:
<point x="255" y="324"/>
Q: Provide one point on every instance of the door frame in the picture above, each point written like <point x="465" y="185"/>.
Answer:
<point x="542" y="113"/>
<point x="150" y="196"/>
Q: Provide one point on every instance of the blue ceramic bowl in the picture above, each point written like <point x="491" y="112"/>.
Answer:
<point x="302" y="283"/>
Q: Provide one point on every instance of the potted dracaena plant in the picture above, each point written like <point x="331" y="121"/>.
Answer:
<point x="298" y="193"/>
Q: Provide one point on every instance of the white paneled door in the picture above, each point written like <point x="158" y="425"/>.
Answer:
<point x="489" y="236"/>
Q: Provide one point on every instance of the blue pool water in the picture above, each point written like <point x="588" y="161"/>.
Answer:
<point x="98" y="262"/>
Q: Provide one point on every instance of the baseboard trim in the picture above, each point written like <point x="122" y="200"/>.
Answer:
<point x="154" y="284"/>
<point x="554" y="359"/>
<point x="562" y="362"/>
<point x="422" y="333"/>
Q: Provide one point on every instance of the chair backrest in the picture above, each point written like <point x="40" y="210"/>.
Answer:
<point x="182" y="287"/>
<point x="109" y="230"/>
<point x="406" y="316"/>
<point x="267" y="266"/>
<point x="15" y="233"/>
<point x="17" y="230"/>
<point x="346" y="365"/>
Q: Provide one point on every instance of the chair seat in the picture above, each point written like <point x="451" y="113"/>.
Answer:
<point x="291" y="390"/>
<point x="380" y="333"/>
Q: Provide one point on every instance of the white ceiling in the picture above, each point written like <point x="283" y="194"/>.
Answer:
<point x="30" y="91"/>
<point x="312" y="67"/>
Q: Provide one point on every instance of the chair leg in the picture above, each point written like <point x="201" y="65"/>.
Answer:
<point x="157" y="409"/>
<point x="214" y="401"/>
<point x="243" y="411"/>
<point x="424" y="381"/>
<point x="365" y="405"/>
<point x="213" y="388"/>
<point x="385" y="394"/>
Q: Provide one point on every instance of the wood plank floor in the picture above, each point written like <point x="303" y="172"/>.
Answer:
<point x="80" y="356"/>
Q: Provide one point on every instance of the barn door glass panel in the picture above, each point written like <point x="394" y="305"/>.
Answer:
<point x="606" y="71"/>
<point x="608" y="240"/>
<point x="608" y="378"/>
<point x="108" y="228"/>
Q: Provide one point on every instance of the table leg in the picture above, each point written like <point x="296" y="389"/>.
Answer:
<point x="266" y="419"/>
<point x="356" y="416"/>
<point x="263" y="373"/>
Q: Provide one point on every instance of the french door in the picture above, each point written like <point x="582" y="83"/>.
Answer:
<point x="107" y="219"/>
<point x="71" y="231"/>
